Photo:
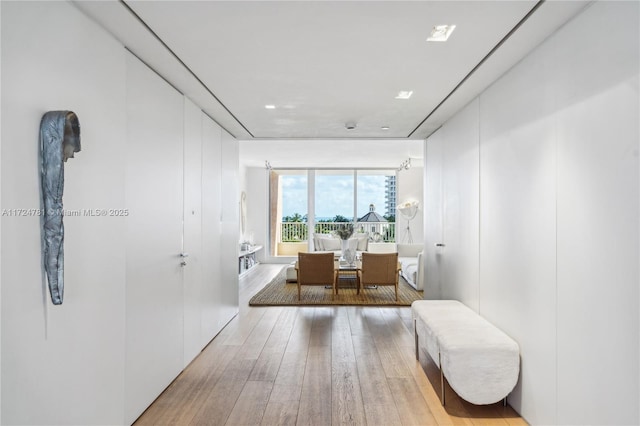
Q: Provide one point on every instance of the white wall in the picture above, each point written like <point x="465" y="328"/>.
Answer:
<point x="155" y="296"/>
<point x="193" y="240"/>
<point x="556" y="163"/>
<point x="433" y="212"/>
<point x="460" y="221"/>
<point x="409" y="184"/>
<point x="230" y="218"/>
<point x="518" y="227"/>
<point x="66" y="364"/>
<point x="0" y="226"/>
<point x="62" y="364"/>
<point x="257" y="190"/>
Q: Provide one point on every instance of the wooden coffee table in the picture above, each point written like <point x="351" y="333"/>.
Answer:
<point x="347" y="272"/>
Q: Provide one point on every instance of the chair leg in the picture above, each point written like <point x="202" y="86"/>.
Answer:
<point x="334" y="286"/>
<point x="298" y="290"/>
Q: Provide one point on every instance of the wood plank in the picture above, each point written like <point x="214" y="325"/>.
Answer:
<point x="454" y="407"/>
<point x="379" y="406"/>
<point x="250" y="406"/>
<point x="268" y="362"/>
<point x="283" y="413"/>
<point x="412" y="407"/>
<point x="288" y="382"/>
<point x="315" y="400"/>
<point x="347" y="404"/>
<point x="385" y="343"/>
<point x="427" y="389"/>
<point x="402" y="335"/>
<point x="341" y="344"/>
<point x="321" y="328"/>
<point x="181" y="401"/>
<point x="256" y="340"/>
<point x="222" y="397"/>
<point x="356" y="321"/>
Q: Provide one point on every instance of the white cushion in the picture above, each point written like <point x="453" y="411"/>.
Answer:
<point x="382" y="248"/>
<point x="330" y="244"/>
<point x="325" y="242"/>
<point x="409" y="250"/>
<point x="363" y="240"/>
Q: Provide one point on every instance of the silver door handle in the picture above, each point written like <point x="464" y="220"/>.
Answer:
<point x="439" y="245"/>
<point x="184" y="254"/>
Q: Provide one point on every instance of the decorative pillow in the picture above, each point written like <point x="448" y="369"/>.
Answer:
<point x="317" y="242"/>
<point x="331" y="244"/>
<point x="363" y="240"/>
<point x="363" y="243"/>
<point x="353" y="244"/>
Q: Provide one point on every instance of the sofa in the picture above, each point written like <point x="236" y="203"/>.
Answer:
<point x="329" y="242"/>
<point x="410" y="257"/>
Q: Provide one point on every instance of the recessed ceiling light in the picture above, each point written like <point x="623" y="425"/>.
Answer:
<point x="270" y="106"/>
<point x="385" y="127"/>
<point x="404" y="94"/>
<point x="441" y="32"/>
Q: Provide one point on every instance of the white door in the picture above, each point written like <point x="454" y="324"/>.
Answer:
<point x="192" y="239"/>
<point x="154" y="197"/>
<point x="461" y="207"/>
<point x="434" y="244"/>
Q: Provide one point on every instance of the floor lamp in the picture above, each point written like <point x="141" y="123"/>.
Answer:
<point x="408" y="211"/>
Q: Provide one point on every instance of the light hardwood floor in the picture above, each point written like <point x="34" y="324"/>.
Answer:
<point x="314" y="366"/>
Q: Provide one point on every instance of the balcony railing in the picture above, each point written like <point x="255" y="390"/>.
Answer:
<point x="297" y="231"/>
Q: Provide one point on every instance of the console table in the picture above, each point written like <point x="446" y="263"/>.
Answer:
<point x="247" y="259"/>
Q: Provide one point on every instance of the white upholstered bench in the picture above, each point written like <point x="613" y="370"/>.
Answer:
<point x="479" y="361"/>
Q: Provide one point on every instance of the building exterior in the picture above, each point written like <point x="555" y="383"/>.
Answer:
<point x="390" y="195"/>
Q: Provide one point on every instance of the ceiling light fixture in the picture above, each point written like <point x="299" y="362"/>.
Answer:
<point x="441" y="32"/>
<point x="270" y="107"/>
<point x="404" y="94"/>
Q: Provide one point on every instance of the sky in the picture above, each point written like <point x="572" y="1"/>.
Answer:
<point x="334" y="195"/>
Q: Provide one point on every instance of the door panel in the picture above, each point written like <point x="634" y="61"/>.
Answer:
<point x="154" y="299"/>
<point x="461" y="195"/>
<point x="192" y="240"/>
<point x="433" y="215"/>
<point x="212" y="284"/>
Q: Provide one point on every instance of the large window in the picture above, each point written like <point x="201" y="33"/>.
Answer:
<point x="288" y="205"/>
<point x="374" y="196"/>
<point x="304" y="202"/>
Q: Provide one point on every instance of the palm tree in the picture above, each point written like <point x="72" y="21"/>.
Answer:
<point x="340" y="218"/>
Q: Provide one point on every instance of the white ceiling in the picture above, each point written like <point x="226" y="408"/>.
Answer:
<point x="326" y="63"/>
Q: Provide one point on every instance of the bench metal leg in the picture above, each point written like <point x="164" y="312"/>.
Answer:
<point x="441" y="377"/>
<point x="415" y="336"/>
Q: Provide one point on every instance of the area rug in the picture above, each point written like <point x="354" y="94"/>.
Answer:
<point x="279" y="293"/>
